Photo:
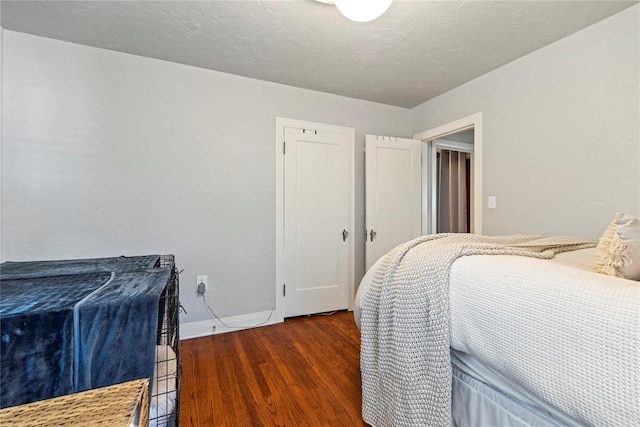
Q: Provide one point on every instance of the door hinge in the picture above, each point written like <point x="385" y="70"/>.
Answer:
<point x="284" y="290"/>
<point x="284" y="147"/>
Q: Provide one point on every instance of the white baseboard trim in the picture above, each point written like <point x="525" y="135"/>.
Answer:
<point x="235" y="323"/>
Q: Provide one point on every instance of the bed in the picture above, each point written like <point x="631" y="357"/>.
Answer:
<point x="73" y="325"/>
<point x="530" y="342"/>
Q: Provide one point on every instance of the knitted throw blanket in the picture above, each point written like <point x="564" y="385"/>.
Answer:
<point x="404" y="357"/>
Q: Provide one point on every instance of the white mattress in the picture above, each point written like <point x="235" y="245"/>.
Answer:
<point x="553" y="327"/>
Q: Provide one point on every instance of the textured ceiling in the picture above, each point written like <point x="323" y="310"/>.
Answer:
<point x="416" y="51"/>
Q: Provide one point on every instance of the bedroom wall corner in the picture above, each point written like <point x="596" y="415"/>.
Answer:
<point x="561" y="131"/>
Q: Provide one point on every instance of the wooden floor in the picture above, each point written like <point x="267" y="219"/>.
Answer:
<point x="305" y="371"/>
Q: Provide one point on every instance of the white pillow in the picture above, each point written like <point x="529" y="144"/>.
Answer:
<point x="618" y="251"/>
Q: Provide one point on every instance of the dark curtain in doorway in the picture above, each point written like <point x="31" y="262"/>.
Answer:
<point x="453" y="192"/>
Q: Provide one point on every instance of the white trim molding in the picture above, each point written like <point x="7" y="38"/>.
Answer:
<point x="474" y="122"/>
<point x="232" y="323"/>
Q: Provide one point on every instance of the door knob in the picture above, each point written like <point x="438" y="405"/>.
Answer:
<point x="372" y="234"/>
<point x="345" y="234"/>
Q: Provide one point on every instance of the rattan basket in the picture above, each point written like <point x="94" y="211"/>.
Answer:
<point x="115" y="405"/>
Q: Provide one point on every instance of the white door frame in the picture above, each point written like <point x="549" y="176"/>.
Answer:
<point x="281" y="124"/>
<point x="428" y="204"/>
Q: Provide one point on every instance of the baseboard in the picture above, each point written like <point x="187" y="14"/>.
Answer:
<point x="233" y="323"/>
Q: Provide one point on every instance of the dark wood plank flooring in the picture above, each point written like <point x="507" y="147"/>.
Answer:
<point x="305" y="371"/>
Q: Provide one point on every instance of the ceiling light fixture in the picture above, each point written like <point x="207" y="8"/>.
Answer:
<point x="361" y="10"/>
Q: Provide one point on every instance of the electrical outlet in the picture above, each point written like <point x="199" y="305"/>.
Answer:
<point x="201" y="283"/>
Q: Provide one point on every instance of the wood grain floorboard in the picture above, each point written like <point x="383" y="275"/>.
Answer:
<point x="303" y="372"/>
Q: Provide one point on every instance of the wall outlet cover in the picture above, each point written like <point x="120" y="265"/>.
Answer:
<point x="492" y="202"/>
<point x="201" y="283"/>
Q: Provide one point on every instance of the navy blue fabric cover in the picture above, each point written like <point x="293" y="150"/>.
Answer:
<point x="25" y="269"/>
<point x="36" y="320"/>
<point x="64" y="332"/>
<point x="118" y="326"/>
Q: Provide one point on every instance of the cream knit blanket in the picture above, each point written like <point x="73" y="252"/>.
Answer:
<point x="404" y="357"/>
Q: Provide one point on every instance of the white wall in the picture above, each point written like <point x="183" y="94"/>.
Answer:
<point x="561" y="131"/>
<point x="108" y="153"/>
<point x="1" y="133"/>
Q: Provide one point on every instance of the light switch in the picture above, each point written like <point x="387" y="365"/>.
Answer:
<point x="492" y="202"/>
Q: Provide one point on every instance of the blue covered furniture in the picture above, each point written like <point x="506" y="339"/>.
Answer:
<point x="70" y="326"/>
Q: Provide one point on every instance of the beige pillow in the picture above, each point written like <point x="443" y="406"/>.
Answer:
<point x="618" y="251"/>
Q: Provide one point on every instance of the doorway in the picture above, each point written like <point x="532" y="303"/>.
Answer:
<point x="401" y="192"/>
<point x="443" y="137"/>
<point x="452" y="181"/>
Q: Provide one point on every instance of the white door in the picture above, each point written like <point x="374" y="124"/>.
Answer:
<point x="393" y="195"/>
<point x="317" y="206"/>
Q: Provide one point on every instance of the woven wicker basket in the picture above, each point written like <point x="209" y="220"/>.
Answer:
<point x="115" y="405"/>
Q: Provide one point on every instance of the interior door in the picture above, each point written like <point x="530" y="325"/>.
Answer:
<point x="393" y="194"/>
<point x="316" y="226"/>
